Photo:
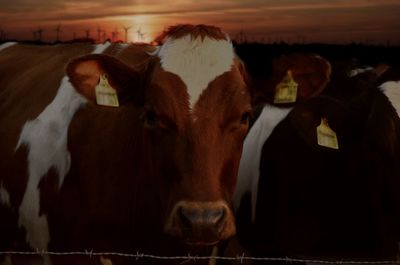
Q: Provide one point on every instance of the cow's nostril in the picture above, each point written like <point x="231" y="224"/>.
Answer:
<point x="215" y="216"/>
<point x="187" y="217"/>
<point x="218" y="219"/>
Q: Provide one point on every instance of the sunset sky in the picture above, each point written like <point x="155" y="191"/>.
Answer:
<point x="335" y="21"/>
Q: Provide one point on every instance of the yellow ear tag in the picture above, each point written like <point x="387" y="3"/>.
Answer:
<point x="326" y="136"/>
<point x="105" y="94"/>
<point x="286" y="90"/>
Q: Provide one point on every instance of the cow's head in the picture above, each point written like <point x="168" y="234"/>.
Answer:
<point x="195" y="108"/>
<point x="311" y="73"/>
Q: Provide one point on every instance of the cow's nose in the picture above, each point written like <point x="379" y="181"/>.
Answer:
<point x="207" y="218"/>
<point x="201" y="223"/>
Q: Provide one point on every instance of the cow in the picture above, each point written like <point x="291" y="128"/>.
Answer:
<point x="116" y="147"/>
<point x="339" y="200"/>
<point x="311" y="73"/>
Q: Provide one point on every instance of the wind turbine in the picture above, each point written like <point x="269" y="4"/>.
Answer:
<point x="2" y="34"/>
<point x="241" y="37"/>
<point x="301" y="39"/>
<point x="126" y="29"/>
<point x="140" y="34"/>
<point x="115" y="34"/>
<point x="58" y="30"/>
<point x="104" y="35"/>
<point x="87" y="31"/>
<point x="39" y="33"/>
<point x="99" y="33"/>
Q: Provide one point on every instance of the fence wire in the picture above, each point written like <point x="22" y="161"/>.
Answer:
<point x="239" y="258"/>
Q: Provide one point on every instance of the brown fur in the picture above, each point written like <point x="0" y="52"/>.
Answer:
<point x="132" y="165"/>
<point x="25" y="90"/>
<point x="195" y="31"/>
<point x="84" y="73"/>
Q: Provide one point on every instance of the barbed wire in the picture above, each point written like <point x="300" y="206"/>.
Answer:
<point x="240" y="258"/>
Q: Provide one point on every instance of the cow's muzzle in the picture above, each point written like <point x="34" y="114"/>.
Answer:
<point x="201" y="223"/>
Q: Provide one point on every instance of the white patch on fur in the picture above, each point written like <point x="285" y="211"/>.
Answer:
<point x="100" y="48"/>
<point x="4" y="196"/>
<point x="249" y="168"/>
<point x="46" y="139"/>
<point x="392" y="90"/>
<point x="155" y="52"/>
<point x="197" y="62"/>
<point x="6" y="45"/>
<point x="358" y="71"/>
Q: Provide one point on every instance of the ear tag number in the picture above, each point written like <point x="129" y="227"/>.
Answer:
<point x="326" y="136"/>
<point x="286" y="90"/>
<point x="105" y="94"/>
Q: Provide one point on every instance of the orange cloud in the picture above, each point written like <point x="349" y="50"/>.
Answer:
<point x="336" y="20"/>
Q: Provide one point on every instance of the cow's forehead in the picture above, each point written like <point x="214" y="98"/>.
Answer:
<point x="196" y="60"/>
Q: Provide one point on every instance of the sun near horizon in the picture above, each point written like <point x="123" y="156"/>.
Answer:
<point x="267" y="21"/>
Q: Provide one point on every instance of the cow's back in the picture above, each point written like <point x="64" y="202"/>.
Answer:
<point x="37" y="106"/>
<point x="30" y="77"/>
<point x="29" y="80"/>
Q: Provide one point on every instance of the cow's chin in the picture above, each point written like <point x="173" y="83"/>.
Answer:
<point x="202" y="243"/>
<point x="200" y="239"/>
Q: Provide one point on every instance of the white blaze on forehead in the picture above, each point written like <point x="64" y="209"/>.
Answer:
<point x="46" y="139"/>
<point x="392" y="90"/>
<point x="249" y="167"/>
<point x="196" y="61"/>
<point x="4" y="196"/>
<point x="6" y="45"/>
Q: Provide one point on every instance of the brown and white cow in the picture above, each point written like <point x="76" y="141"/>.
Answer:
<point x="311" y="73"/>
<point x="156" y="171"/>
<point x="314" y="200"/>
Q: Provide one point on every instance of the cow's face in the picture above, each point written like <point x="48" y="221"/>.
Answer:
<point x="194" y="123"/>
<point x="201" y="147"/>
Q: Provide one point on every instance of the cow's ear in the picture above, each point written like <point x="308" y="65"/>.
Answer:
<point x="312" y="73"/>
<point x="86" y="72"/>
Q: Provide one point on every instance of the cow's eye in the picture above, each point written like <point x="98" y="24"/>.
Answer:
<point x="245" y="119"/>
<point x="150" y="118"/>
